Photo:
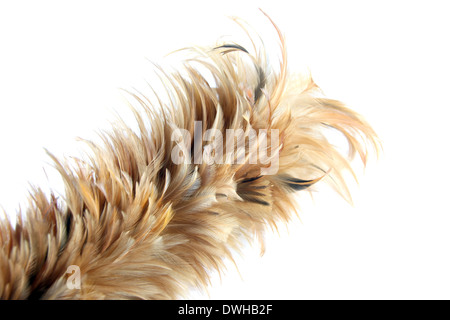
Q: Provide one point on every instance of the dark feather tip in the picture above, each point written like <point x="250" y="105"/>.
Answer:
<point x="298" y="184"/>
<point x="251" y="179"/>
<point x="232" y="46"/>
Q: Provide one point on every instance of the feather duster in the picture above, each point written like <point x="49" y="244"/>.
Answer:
<point x="149" y="213"/>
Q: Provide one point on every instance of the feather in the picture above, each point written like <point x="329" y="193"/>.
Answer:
<point x="139" y="225"/>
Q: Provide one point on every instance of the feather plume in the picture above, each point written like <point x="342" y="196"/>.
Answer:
<point x="139" y="225"/>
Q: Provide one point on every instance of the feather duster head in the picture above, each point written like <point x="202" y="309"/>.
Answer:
<point x="150" y="212"/>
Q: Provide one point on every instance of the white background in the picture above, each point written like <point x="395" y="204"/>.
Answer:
<point x="61" y="64"/>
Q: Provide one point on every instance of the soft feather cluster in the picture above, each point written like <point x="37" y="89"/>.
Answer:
<point x="139" y="226"/>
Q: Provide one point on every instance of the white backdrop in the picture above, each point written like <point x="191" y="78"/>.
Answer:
<point x="61" y="66"/>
